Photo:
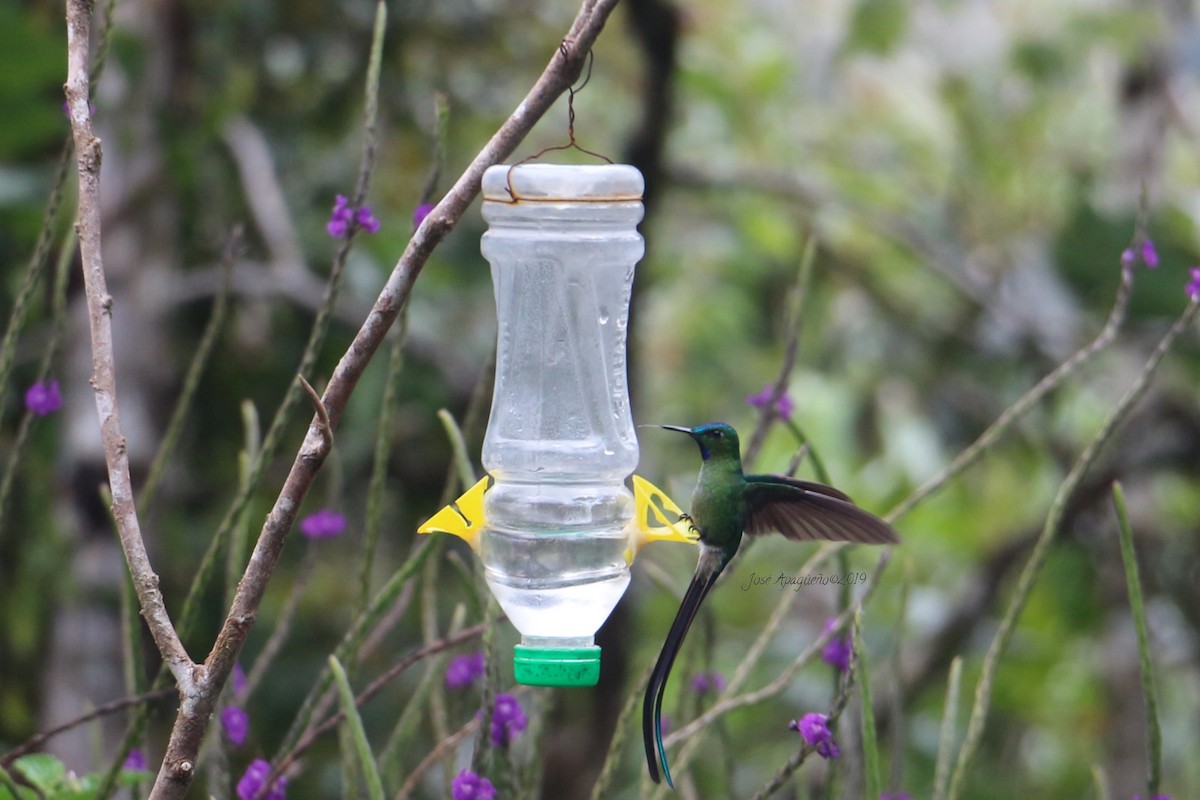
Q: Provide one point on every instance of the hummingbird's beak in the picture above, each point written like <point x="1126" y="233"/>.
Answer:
<point x="679" y="428"/>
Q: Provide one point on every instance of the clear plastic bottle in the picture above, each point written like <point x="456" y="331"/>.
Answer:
<point x="560" y="443"/>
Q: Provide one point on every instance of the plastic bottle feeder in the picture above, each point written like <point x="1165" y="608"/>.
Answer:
<point x="554" y="523"/>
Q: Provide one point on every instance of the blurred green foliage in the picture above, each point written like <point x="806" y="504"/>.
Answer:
<point x="971" y="174"/>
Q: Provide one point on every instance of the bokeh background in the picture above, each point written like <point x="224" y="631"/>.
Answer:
<point x="970" y="173"/>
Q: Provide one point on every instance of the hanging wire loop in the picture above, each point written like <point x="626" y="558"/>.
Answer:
<point x="572" y="144"/>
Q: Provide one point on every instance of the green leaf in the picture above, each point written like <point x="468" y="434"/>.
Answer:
<point x="362" y="747"/>
<point x="946" y="738"/>
<point x="869" y="741"/>
<point x="42" y="770"/>
<point x="1136" y="604"/>
<point x="9" y="790"/>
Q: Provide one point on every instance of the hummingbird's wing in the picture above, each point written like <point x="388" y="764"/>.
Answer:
<point x="806" y="511"/>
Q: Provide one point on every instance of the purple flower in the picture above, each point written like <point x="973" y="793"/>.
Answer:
<point x="255" y="779"/>
<point x="704" y="682"/>
<point x="837" y="653"/>
<point x="783" y="406"/>
<point x="136" y="760"/>
<point x="1156" y="797"/>
<point x="237" y="679"/>
<point x="469" y="786"/>
<point x="342" y="217"/>
<point x="339" y="221"/>
<point x="323" y="524"/>
<point x="420" y="213"/>
<point x="366" y="220"/>
<point x="1146" y="252"/>
<point x="236" y="723"/>
<point x="463" y="670"/>
<point x="507" y="720"/>
<point x="814" y="728"/>
<point x="43" y="398"/>
<point x="1149" y="254"/>
<point x="1193" y="287"/>
<point x="895" y="796"/>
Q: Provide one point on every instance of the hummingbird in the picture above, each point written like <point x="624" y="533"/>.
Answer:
<point x="725" y="504"/>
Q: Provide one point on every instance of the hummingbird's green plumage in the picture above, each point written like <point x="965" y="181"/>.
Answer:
<point x="725" y="504"/>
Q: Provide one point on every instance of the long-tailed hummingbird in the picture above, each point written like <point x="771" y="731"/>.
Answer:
<point x="725" y="504"/>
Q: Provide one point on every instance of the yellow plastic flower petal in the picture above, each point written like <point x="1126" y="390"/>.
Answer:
<point x="462" y="518"/>
<point x="657" y="518"/>
<point x="651" y="505"/>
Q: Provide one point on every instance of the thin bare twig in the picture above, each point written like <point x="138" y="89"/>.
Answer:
<point x="778" y="389"/>
<point x="439" y="752"/>
<point x="730" y="702"/>
<point x="373" y="689"/>
<point x="191" y="381"/>
<point x="112" y="707"/>
<point x="23" y="303"/>
<point x="845" y="683"/>
<point x="59" y="316"/>
<point x="1037" y="558"/>
<point x="323" y="425"/>
<point x="1027" y="401"/>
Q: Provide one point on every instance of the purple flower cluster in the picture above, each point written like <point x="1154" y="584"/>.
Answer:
<point x="814" y="729"/>
<point x="1147" y="254"/>
<point x="43" y="398"/>
<point x="469" y="786"/>
<point x="237" y="679"/>
<point x="255" y="779"/>
<point x="464" y="669"/>
<point x="343" y="218"/>
<point x="705" y="682"/>
<point x="783" y="406"/>
<point x="323" y="524"/>
<point x="1156" y="797"/>
<point x="508" y="719"/>
<point x="236" y="723"/>
<point x="136" y="760"/>
<point x="837" y="653"/>
<point x="895" y="796"/>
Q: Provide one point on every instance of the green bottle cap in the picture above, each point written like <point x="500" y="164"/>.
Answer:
<point x="556" y="666"/>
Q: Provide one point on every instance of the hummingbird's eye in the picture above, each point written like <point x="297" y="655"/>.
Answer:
<point x="718" y="433"/>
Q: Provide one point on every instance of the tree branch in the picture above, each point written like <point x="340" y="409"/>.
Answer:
<point x="112" y="707"/>
<point x="104" y="383"/>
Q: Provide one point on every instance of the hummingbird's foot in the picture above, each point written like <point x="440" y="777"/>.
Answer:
<point x="691" y="525"/>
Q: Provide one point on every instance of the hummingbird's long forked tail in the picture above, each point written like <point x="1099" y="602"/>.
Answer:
<point x="712" y="561"/>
